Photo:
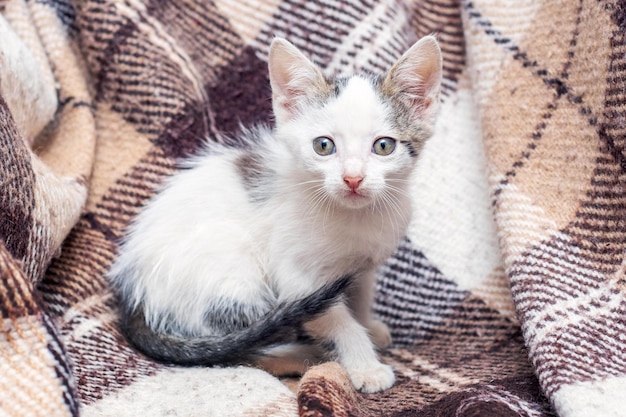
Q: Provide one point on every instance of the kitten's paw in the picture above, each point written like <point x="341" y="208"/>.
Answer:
<point x="373" y="378"/>
<point x="379" y="334"/>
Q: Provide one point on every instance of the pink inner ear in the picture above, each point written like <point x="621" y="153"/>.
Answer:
<point x="421" y="84"/>
<point x="292" y="77"/>
<point x="417" y="76"/>
<point x="418" y="96"/>
<point x="289" y="100"/>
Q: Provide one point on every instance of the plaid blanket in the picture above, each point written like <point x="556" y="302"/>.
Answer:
<point x="506" y="298"/>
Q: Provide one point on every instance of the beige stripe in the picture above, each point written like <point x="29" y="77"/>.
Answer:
<point x="442" y="379"/>
<point x="495" y="291"/>
<point x="120" y="147"/>
<point x="28" y="384"/>
<point x="248" y="18"/>
<point x="70" y="149"/>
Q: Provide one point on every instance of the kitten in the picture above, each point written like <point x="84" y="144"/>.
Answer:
<point x="250" y="247"/>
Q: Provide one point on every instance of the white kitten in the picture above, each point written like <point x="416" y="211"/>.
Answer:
<point x="251" y="247"/>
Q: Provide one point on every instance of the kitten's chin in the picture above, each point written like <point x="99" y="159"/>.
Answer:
<point x="354" y="201"/>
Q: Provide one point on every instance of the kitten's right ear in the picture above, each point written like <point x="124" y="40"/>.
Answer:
<point x="293" y="78"/>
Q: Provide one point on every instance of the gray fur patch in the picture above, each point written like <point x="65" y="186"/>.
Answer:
<point x="409" y="146"/>
<point x="339" y="84"/>
<point x="250" y="169"/>
<point x="227" y="315"/>
<point x="255" y="175"/>
<point x="413" y="132"/>
<point x="330" y="350"/>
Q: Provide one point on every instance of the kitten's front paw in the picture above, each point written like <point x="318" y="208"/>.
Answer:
<point x="373" y="378"/>
<point x="379" y="334"/>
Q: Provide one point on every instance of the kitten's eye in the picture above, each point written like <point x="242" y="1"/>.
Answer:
<point x="323" y="146"/>
<point x="384" y="146"/>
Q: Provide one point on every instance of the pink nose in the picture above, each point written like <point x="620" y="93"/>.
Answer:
<point x="353" y="182"/>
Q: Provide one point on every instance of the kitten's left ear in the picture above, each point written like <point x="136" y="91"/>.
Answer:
<point x="293" y="79"/>
<point x="416" y="78"/>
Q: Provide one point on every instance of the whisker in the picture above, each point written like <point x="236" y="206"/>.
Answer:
<point x="380" y="205"/>
<point x="396" y="189"/>
<point x="317" y="201"/>
<point x="319" y="206"/>
<point x="392" y="208"/>
<point x="310" y="183"/>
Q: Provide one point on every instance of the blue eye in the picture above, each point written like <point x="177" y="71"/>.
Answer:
<point x="384" y="146"/>
<point x="323" y="146"/>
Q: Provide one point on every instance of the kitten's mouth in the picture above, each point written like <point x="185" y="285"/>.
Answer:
<point x="354" y="194"/>
<point x="355" y="198"/>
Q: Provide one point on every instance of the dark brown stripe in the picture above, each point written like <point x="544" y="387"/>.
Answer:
<point x="79" y="273"/>
<point x="587" y="346"/>
<point x="295" y="20"/>
<point x="443" y="18"/>
<point x="17" y="188"/>
<point x="128" y="70"/>
<point x="62" y="367"/>
<point x="103" y="361"/>
<point x="242" y="95"/>
<point x="418" y="302"/>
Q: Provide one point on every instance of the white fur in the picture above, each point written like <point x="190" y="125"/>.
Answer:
<point x="202" y="236"/>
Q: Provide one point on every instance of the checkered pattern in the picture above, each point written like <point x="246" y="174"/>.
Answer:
<point x="506" y="298"/>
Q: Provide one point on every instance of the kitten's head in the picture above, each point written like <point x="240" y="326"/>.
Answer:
<point x="357" y="138"/>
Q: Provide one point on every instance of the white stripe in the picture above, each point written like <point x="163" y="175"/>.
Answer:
<point x="571" y="313"/>
<point x="592" y="398"/>
<point x="218" y="392"/>
<point x="87" y="325"/>
<point x="135" y="10"/>
<point x="462" y="240"/>
<point x="367" y="29"/>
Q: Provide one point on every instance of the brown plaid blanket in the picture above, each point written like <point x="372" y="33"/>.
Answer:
<point x="508" y="295"/>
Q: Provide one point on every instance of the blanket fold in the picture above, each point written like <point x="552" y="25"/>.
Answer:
<point x="506" y="298"/>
